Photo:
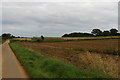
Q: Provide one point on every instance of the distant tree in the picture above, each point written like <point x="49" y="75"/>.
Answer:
<point x="113" y="32"/>
<point x="42" y="37"/>
<point x="6" y="36"/>
<point x="96" y="32"/>
<point x="13" y="36"/>
<point x="78" y="34"/>
<point x="65" y="35"/>
<point x="105" y="33"/>
<point x="18" y="37"/>
<point x="118" y="34"/>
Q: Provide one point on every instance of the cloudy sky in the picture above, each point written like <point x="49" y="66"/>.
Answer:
<point x="53" y="19"/>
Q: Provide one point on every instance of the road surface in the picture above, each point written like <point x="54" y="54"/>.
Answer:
<point x="11" y="68"/>
<point x="0" y="61"/>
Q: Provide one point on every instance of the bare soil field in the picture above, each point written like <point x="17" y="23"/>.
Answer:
<point x="110" y="45"/>
<point x="67" y="52"/>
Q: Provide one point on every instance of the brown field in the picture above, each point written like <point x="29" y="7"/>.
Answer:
<point x="84" y="59"/>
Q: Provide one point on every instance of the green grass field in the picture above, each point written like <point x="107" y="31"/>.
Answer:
<point x="39" y="66"/>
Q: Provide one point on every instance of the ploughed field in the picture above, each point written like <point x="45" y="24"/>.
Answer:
<point x="96" y="54"/>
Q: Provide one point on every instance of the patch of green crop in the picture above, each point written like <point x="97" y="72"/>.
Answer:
<point x="39" y="66"/>
<point x="78" y="49"/>
<point x="105" y="51"/>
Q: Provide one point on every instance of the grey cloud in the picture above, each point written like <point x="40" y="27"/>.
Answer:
<point x="55" y="19"/>
<point x="11" y="22"/>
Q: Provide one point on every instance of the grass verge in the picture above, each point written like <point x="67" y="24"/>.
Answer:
<point x="39" y="66"/>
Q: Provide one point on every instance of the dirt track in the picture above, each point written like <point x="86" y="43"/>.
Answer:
<point x="11" y="68"/>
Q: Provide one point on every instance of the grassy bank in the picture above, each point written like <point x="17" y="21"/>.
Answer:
<point x="39" y="66"/>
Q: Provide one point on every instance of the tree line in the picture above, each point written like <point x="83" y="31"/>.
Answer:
<point x="94" y="33"/>
<point x="6" y="36"/>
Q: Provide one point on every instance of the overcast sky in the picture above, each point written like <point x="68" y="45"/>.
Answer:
<point x="53" y="19"/>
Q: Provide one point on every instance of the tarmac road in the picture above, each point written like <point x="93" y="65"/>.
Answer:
<point x="11" y="68"/>
<point x="0" y="61"/>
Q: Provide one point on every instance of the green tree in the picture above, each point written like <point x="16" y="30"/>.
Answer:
<point x="105" y="33"/>
<point x="96" y="32"/>
<point x="42" y="37"/>
<point x="113" y="32"/>
<point x="6" y="36"/>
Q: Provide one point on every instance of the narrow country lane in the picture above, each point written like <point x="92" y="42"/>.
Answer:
<point x="11" y="68"/>
<point x="0" y="61"/>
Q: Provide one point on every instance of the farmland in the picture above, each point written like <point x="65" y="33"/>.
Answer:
<point x="63" y="39"/>
<point x="87" y="54"/>
<point x="39" y="66"/>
